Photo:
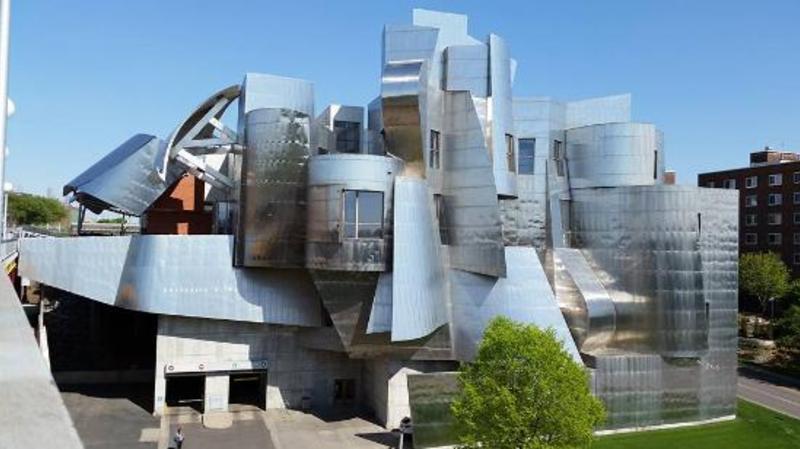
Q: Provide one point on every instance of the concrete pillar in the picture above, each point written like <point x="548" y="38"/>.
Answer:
<point x="160" y="394"/>
<point x="216" y="394"/>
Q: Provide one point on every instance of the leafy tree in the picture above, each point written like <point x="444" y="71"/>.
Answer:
<point x="116" y="220"/>
<point x="763" y="276"/>
<point x="524" y="391"/>
<point x="27" y="209"/>
<point x="787" y="329"/>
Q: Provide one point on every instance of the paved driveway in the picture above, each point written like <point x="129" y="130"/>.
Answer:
<point x="774" y="392"/>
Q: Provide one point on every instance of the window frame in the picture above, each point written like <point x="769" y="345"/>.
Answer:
<point x="751" y="197"/>
<point x="357" y="223"/>
<point x="523" y="158"/>
<point x="774" y="215"/>
<point x="778" y="177"/>
<point x="778" y="196"/>
<point x="435" y="149"/>
<point x="511" y="153"/>
<point x="774" y="238"/>
<point x="751" y="220"/>
<point x="748" y="240"/>
<point x="751" y="182"/>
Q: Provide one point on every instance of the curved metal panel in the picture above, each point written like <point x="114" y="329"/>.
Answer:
<point x="613" y="154"/>
<point x="524" y="295"/>
<point x="401" y="83"/>
<point x="588" y="309"/>
<point x="124" y="180"/>
<point x="501" y="120"/>
<point x="380" y="318"/>
<point x="172" y="275"/>
<point x="470" y="197"/>
<point x="329" y="177"/>
<point x="273" y="194"/>
<point x="418" y="293"/>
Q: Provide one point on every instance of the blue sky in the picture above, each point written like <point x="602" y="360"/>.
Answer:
<point x="720" y="78"/>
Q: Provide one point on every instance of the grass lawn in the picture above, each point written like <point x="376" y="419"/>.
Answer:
<point x="754" y="428"/>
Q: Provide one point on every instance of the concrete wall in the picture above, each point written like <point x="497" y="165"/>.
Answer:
<point x="292" y="371"/>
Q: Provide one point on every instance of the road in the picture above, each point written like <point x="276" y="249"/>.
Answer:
<point x="774" y="392"/>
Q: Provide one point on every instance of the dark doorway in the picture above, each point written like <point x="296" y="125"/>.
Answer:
<point x="344" y="391"/>
<point x="248" y="389"/>
<point x="186" y="391"/>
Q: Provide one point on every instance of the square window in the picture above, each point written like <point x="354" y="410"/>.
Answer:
<point x="776" y="179"/>
<point x="796" y="218"/>
<point x="750" y="220"/>
<point x="774" y="218"/>
<point x="710" y="184"/>
<point x="796" y="177"/>
<point x="729" y="184"/>
<point x="751" y="182"/>
<point x="796" y="238"/>
<point x="796" y="258"/>
<point x="775" y="199"/>
<point x="750" y="201"/>
<point x="774" y="238"/>
<point x="363" y="214"/>
<point x="751" y="239"/>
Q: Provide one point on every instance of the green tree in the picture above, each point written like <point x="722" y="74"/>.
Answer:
<point x="763" y="276"/>
<point x="524" y="391"/>
<point x="787" y="330"/>
<point x="27" y="209"/>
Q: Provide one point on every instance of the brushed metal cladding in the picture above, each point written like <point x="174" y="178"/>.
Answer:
<point x="262" y="91"/>
<point x="430" y="396"/>
<point x="380" y="317"/>
<point x="418" y="282"/>
<point x="273" y="200"/>
<point x="644" y="244"/>
<point x="589" y="309"/>
<point x="613" y="154"/>
<point x="124" y="180"/>
<point x="594" y="111"/>
<point x="328" y="177"/>
<point x="172" y="275"/>
<point x="467" y="69"/>
<point x="523" y="295"/>
<point x="401" y="85"/>
<point x="631" y="387"/>
<point x="501" y="119"/>
<point x="469" y="192"/>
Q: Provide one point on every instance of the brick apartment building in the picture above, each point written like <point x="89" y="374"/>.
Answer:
<point x="769" y="203"/>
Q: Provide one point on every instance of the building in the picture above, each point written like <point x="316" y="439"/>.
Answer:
<point x="769" y="203"/>
<point x="352" y="266"/>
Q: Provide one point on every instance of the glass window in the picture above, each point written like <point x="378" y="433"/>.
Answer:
<point x="796" y="177"/>
<point x="441" y="217"/>
<point x="750" y="220"/>
<point x="710" y="184"/>
<point x="796" y="238"/>
<point x="655" y="165"/>
<point x="776" y="179"/>
<point x="527" y="151"/>
<point x="511" y="155"/>
<point x="796" y="218"/>
<point x="751" y="239"/>
<point x="558" y="156"/>
<point x="774" y="238"/>
<point x="750" y="201"/>
<point x="751" y="182"/>
<point x="363" y="214"/>
<point x="796" y="259"/>
<point x="796" y="197"/>
<point x="775" y="199"/>
<point x="774" y="218"/>
<point x="434" y="160"/>
<point x="730" y="184"/>
<point x="348" y="136"/>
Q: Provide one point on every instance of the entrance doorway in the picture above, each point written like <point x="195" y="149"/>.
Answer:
<point x="186" y="391"/>
<point x="248" y="388"/>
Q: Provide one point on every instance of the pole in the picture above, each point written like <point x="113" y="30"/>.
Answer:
<point x="5" y="20"/>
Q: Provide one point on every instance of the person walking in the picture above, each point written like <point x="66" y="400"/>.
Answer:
<point x="179" y="437"/>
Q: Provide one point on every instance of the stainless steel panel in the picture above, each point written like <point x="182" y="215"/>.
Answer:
<point x="524" y="295"/>
<point x="401" y="83"/>
<point x="125" y="180"/>
<point x="380" y="317"/>
<point x="262" y="91"/>
<point x="588" y="308"/>
<point x="272" y="220"/>
<point x="594" y="111"/>
<point x="418" y="284"/>
<point x="172" y="275"/>
<point x="329" y="177"/>
<point x="501" y="120"/>
<point x="467" y="69"/>
<point x="615" y="154"/>
<point x="470" y="196"/>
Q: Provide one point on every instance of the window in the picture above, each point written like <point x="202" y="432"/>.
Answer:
<point x="511" y="155"/>
<point x="710" y="184"/>
<point x="436" y="150"/>
<point x="775" y="199"/>
<point x="729" y="184"/>
<point x="796" y="238"/>
<point x="363" y="214"/>
<point x="750" y="201"/>
<point x="558" y="156"/>
<point x="751" y="182"/>
<point x="751" y="239"/>
<point x="796" y="177"/>
<point x="774" y="218"/>
<point x="750" y="220"/>
<point x="438" y="201"/>
<point x="796" y="258"/>
<point x="527" y="151"/>
<point x="655" y="164"/>
<point x="344" y="389"/>
<point x="774" y="238"/>
<point x="796" y="218"/>
<point x="348" y="136"/>
<point x="776" y="179"/>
